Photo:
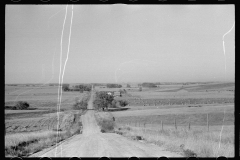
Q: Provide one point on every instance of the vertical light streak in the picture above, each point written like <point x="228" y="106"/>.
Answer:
<point x="69" y="38"/>
<point x="59" y="80"/>
<point x="224" y="48"/>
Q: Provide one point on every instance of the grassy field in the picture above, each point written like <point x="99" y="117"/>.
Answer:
<point x="201" y="142"/>
<point x="161" y="130"/>
<point x="168" y="116"/>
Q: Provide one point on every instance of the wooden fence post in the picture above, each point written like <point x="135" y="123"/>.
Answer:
<point x="175" y="123"/>
<point x="162" y="124"/>
<point x="189" y="124"/>
<point x="207" y="123"/>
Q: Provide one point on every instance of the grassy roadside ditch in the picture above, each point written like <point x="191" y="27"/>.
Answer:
<point x="204" y="144"/>
<point x="24" y="144"/>
<point x="105" y="121"/>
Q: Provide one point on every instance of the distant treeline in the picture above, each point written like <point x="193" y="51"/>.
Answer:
<point x="114" y="85"/>
<point x="81" y="88"/>
<point x="150" y="85"/>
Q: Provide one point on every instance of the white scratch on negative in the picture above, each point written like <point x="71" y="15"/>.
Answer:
<point x="224" y="47"/>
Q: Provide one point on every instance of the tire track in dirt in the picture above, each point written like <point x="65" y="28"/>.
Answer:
<point x="93" y="143"/>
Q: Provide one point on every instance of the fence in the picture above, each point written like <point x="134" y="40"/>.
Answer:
<point x="176" y="122"/>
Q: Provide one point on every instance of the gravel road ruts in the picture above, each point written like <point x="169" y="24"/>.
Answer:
<point x="93" y="143"/>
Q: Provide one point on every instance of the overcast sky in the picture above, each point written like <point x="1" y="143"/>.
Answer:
<point x="119" y="43"/>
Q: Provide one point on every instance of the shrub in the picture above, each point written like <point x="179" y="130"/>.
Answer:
<point x="114" y="104"/>
<point x="105" y="121"/>
<point x="65" y="87"/>
<point x="21" y="105"/>
<point x="123" y="103"/>
<point x="81" y="105"/>
<point x="106" y="125"/>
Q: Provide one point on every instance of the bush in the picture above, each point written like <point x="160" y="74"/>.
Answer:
<point x="21" y="105"/>
<point x="123" y="103"/>
<point x="106" y="125"/>
<point x="81" y="105"/>
<point x="114" y="104"/>
<point x="65" y="87"/>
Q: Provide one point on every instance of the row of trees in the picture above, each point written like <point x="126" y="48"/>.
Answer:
<point x="114" y="85"/>
<point x="81" y="88"/>
<point x="20" y="105"/>
<point x="149" y="85"/>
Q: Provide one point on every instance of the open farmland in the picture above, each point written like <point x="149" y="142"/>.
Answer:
<point x="39" y="123"/>
<point x="174" y="115"/>
<point x="40" y="97"/>
<point x="43" y="106"/>
<point x="194" y="94"/>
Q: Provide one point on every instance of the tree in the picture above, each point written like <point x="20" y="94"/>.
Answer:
<point x="123" y="103"/>
<point x="82" y="88"/>
<point x="128" y="86"/>
<point x="140" y="89"/>
<point x="103" y="100"/>
<point x="65" y="87"/>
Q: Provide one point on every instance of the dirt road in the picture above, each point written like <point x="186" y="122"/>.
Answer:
<point x="93" y="143"/>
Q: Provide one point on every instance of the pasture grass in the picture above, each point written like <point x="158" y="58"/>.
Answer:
<point x="203" y="143"/>
<point x="183" y="115"/>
